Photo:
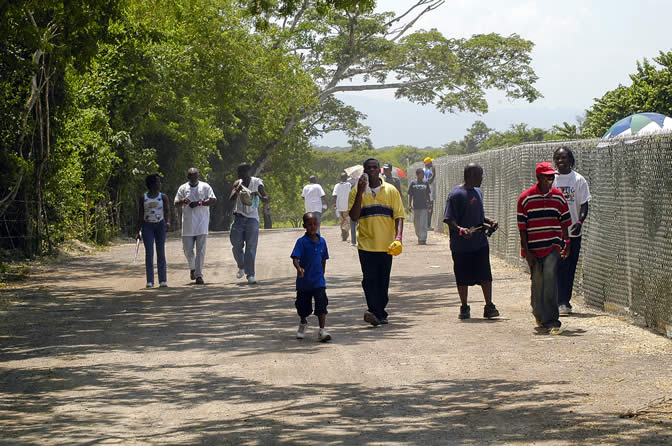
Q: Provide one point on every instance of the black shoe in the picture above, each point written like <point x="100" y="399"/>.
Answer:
<point x="371" y="319"/>
<point x="384" y="321"/>
<point x="192" y="274"/>
<point x="490" y="310"/>
<point x="465" y="312"/>
<point x="199" y="281"/>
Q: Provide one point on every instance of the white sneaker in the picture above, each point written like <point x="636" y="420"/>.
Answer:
<point x="149" y="285"/>
<point x="323" y="335"/>
<point x="163" y="284"/>
<point x="240" y="273"/>
<point x="564" y="309"/>
<point x="251" y="279"/>
<point x="301" y="332"/>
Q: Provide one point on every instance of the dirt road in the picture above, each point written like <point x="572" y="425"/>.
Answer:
<point x="87" y="355"/>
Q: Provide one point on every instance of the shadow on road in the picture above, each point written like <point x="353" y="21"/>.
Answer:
<point x="441" y="411"/>
<point x="71" y="402"/>
<point x="247" y="319"/>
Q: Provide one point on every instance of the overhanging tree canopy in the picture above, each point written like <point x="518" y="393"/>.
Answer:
<point x="354" y="49"/>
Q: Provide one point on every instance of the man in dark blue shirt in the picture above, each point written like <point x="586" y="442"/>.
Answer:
<point x="465" y="217"/>
<point x="310" y="256"/>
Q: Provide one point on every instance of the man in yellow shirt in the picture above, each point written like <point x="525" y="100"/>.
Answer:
<point x="376" y="206"/>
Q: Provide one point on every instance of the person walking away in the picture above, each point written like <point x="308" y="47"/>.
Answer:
<point x="244" y="234"/>
<point x="314" y="198"/>
<point x="465" y="216"/>
<point x="389" y="177"/>
<point x="575" y="189"/>
<point x="418" y="202"/>
<point x="309" y="257"/>
<point x="195" y="198"/>
<point x="342" y="192"/>
<point x="376" y="206"/>
<point x="543" y="219"/>
<point x="430" y="176"/>
<point x="153" y="220"/>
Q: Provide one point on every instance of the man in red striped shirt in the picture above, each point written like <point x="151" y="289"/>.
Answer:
<point x="543" y="222"/>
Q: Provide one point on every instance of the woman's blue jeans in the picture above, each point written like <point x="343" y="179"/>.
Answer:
<point x="155" y="232"/>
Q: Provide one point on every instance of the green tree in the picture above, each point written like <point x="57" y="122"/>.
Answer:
<point x="39" y="41"/>
<point x="215" y="115"/>
<point x="517" y="134"/>
<point x="476" y="134"/>
<point x="651" y="91"/>
<point x="566" y="130"/>
<point x="480" y="137"/>
<point x="355" y="49"/>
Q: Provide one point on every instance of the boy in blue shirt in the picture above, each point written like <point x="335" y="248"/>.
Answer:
<point x="310" y="259"/>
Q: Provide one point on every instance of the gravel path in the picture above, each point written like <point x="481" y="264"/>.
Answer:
<point x="88" y="356"/>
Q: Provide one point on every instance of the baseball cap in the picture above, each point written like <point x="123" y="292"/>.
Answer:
<point x="545" y="168"/>
<point x="428" y="160"/>
<point x="387" y="166"/>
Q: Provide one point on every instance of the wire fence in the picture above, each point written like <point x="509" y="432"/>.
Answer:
<point x="626" y="256"/>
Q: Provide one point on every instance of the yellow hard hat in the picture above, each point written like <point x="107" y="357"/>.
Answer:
<point x="428" y="160"/>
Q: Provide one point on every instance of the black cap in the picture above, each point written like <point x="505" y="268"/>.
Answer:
<point x="387" y="166"/>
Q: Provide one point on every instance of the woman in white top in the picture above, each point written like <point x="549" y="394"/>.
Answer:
<point x="153" y="218"/>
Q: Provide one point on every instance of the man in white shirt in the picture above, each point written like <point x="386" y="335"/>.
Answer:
<point x="244" y="233"/>
<point x="342" y="193"/>
<point x="314" y="198"/>
<point x="575" y="189"/>
<point x="195" y="198"/>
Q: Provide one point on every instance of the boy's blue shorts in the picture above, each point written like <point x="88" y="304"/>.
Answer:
<point x="304" y="302"/>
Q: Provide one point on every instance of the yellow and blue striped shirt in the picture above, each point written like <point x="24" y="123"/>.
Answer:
<point x="376" y="231"/>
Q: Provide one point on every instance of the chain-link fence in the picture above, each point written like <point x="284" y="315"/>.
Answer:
<point x="626" y="255"/>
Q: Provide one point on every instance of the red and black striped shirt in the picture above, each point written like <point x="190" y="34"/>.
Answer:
<point x="543" y="217"/>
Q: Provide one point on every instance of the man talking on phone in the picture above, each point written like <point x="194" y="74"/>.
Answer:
<point x="377" y="207"/>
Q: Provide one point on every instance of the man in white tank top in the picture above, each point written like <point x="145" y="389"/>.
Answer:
<point x="195" y="198"/>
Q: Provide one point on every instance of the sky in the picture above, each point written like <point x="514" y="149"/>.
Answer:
<point x="582" y="50"/>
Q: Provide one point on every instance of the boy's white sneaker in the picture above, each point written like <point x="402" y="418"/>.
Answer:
<point x="301" y="332"/>
<point x="323" y="335"/>
<point x="251" y="279"/>
<point x="163" y="284"/>
<point x="149" y="285"/>
<point x="240" y="273"/>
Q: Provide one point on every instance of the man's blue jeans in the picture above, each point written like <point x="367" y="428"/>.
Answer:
<point x="545" y="289"/>
<point x="155" y="232"/>
<point x="244" y="236"/>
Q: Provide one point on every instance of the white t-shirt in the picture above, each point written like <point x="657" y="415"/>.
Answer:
<point x="575" y="189"/>
<point x="249" y="211"/>
<point x="312" y="194"/>
<point x="342" y="192"/>
<point x="195" y="221"/>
